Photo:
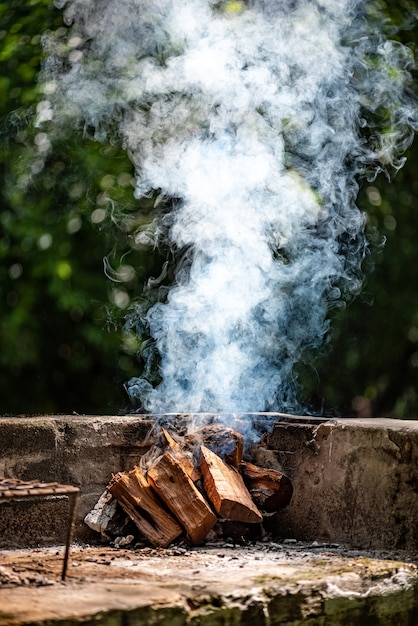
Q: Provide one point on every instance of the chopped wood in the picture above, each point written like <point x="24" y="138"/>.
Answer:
<point x="181" y="456"/>
<point x="226" y="489"/>
<point x="102" y="514"/>
<point x="109" y="519"/>
<point x="270" y="489"/>
<point x="169" y="479"/>
<point x="138" y="501"/>
<point x="225" y="442"/>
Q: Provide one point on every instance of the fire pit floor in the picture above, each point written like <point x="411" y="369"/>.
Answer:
<point x="265" y="583"/>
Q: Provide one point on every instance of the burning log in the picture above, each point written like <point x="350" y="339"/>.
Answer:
<point x="181" y="456"/>
<point x="226" y="489"/>
<point x="269" y="489"/>
<point x="139" y="502"/>
<point x="171" y="482"/>
<point x="225" y="442"/>
<point x="163" y="500"/>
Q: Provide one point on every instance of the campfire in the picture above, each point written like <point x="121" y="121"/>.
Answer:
<point x="191" y="486"/>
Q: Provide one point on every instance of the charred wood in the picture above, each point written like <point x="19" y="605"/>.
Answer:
<point x="225" y="442"/>
<point x="269" y="489"/>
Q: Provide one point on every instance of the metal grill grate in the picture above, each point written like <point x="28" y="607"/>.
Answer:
<point x="15" y="489"/>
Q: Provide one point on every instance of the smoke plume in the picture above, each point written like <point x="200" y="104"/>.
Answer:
<point x="258" y="118"/>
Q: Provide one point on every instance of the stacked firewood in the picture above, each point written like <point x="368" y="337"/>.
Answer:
<point x="183" y="489"/>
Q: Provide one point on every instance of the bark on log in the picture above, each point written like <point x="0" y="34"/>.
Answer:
<point x="225" y="442"/>
<point x="99" y="517"/>
<point x="226" y="489"/>
<point x="108" y="518"/>
<point x="270" y="489"/>
<point x="180" y="495"/>
<point x="135" y="496"/>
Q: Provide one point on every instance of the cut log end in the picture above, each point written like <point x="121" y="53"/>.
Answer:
<point x="181" y="456"/>
<point x="270" y="489"/>
<point x="226" y="489"/>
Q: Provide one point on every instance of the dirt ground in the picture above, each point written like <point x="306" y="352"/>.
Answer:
<point x="101" y="579"/>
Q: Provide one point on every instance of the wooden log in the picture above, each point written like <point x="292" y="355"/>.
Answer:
<point x="226" y="489"/>
<point x="137" y="499"/>
<point x="108" y="518"/>
<point x="181" y="456"/>
<point x="100" y="516"/>
<point x="176" y="489"/>
<point x="270" y="489"/>
<point x="225" y="442"/>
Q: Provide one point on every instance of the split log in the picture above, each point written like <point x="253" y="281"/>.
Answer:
<point x="270" y="489"/>
<point x="226" y="489"/>
<point x="181" y="456"/>
<point x="100" y="516"/>
<point x="176" y="489"/>
<point x="108" y="518"/>
<point x="137" y="499"/>
<point x="225" y="442"/>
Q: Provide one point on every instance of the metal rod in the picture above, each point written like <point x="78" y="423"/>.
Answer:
<point x="72" y="502"/>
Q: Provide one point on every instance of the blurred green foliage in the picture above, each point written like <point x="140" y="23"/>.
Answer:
<point x="62" y="345"/>
<point x="370" y="364"/>
<point x="69" y="264"/>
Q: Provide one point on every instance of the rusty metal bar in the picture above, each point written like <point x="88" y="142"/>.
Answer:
<point x="14" y="488"/>
<point x="72" y="505"/>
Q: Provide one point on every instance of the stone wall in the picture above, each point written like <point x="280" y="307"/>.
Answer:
<point x="355" y="481"/>
<point x="78" y="450"/>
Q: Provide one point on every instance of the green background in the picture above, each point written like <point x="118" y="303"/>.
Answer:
<point x="69" y="271"/>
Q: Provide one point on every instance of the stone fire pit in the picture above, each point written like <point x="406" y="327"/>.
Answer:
<point x="343" y="552"/>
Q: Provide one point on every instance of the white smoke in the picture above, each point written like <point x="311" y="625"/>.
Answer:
<point x="257" y="117"/>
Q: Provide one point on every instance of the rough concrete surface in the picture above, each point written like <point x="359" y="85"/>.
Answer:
<point x="355" y="484"/>
<point x="355" y="480"/>
<point x="78" y="450"/>
<point x="258" y="585"/>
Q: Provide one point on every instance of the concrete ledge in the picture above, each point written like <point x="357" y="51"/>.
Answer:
<point x="78" y="450"/>
<point x="262" y="585"/>
<point x="355" y="481"/>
